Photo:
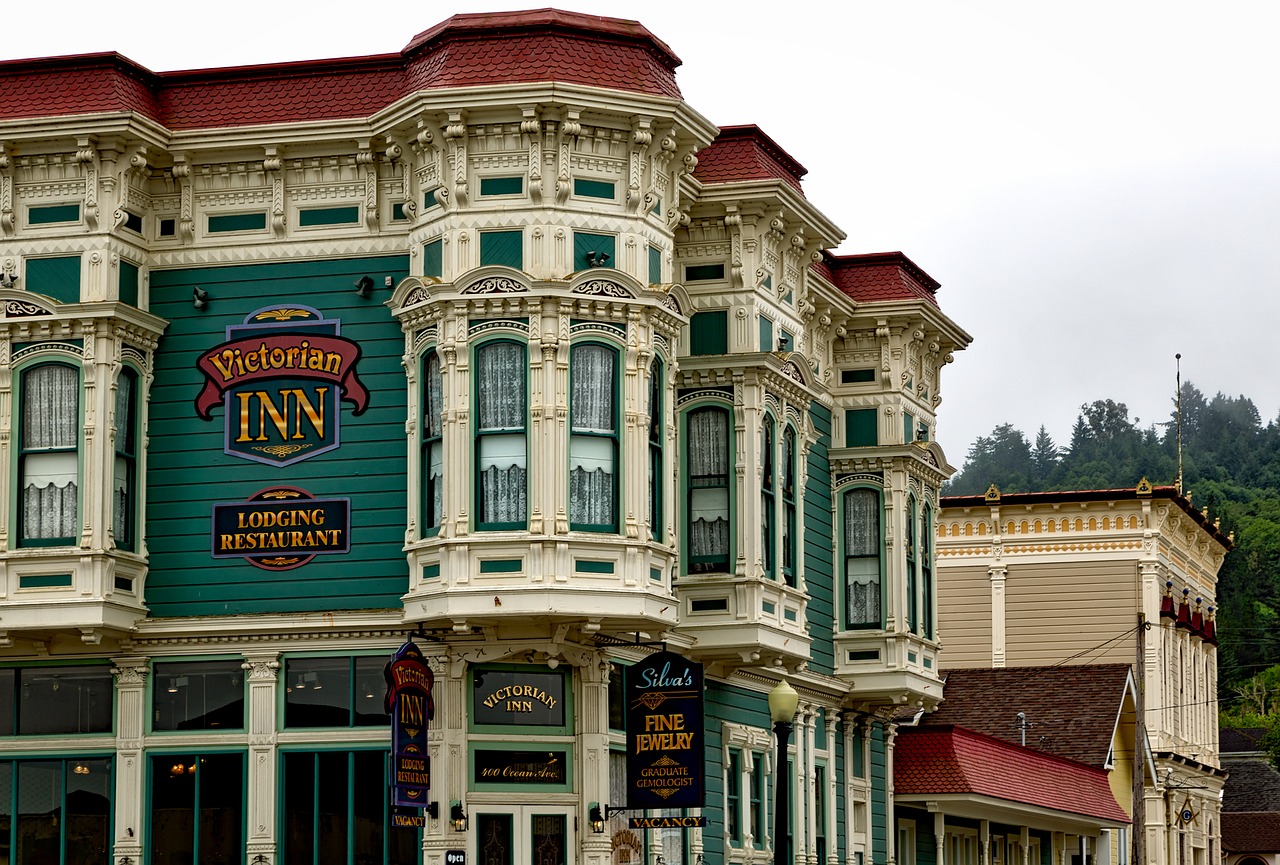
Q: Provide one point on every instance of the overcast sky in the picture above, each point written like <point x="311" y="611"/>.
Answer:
<point x="1095" y="184"/>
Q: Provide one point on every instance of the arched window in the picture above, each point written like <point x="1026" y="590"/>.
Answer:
<point x="789" y="493"/>
<point x="768" y="499"/>
<point x="593" y="438"/>
<point x="926" y="570"/>
<point x="124" y="505"/>
<point x="913" y="608"/>
<point x="432" y="459"/>
<point x="862" y="558"/>
<point x="502" y="482"/>
<point x="707" y="455"/>
<point x="656" y="485"/>
<point x="49" y="455"/>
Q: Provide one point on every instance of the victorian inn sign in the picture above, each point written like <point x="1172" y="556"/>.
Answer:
<point x="490" y="356"/>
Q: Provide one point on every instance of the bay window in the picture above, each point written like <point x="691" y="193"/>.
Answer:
<point x="49" y="459"/>
<point x="862" y="558"/>
<point x="926" y="571"/>
<point x="432" y="456"/>
<point x="913" y="617"/>
<point x="707" y="454"/>
<point x="502" y="488"/>
<point x="593" y="438"/>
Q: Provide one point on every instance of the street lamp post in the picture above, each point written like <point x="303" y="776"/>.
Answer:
<point x="783" y="700"/>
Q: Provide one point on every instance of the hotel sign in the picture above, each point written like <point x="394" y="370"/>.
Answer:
<point x="408" y="701"/>
<point x="527" y="697"/>
<point x="280" y="377"/>
<point x="665" y="751"/>
<point x="281" y="528"/>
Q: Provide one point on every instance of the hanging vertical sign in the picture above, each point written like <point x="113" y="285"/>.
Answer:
<point x="665" y="734"/>
<point x="408" y="702"/>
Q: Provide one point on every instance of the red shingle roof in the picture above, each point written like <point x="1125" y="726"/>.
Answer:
<point x="745" y="153"/>
<point x="1251" y="832"/>
<point x="877" y="276"/>
<point x="465" y="50"/>
<point x="942" y="760"/>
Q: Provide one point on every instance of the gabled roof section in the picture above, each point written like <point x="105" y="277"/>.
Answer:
<point x="1072" y="712"/>
<point x="877" y="276"/>
<point x="941" y="760"/>
<point x="1240" y="740"/>
<point x="1252" y="785"/>
<point x="543" y="45"/>
<point x="742" y="153"/>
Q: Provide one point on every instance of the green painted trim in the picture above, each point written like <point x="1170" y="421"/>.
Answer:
<point x="590" y="243"/>
<point x="228" y="222"/>
<point x="430" y="571"/>
<point x="58" y="277"/>
<point x="655" y="574"/>
<point x="45" y="581"/>
<point x="196" y="752"/>
<point x="501" y="566"/>
<point x="51" y="213"/>
<point x="861" y="428"/>
<point x="709" y="332"/>
<point x="503" y="248"/>
<point x="528" y="789"/>
<point x="502" y="185"/>
<point x="655" y="265"/>
<point x="129" y="281"/>
<point x="583" y="566"/>
<point x="313" y="216"/>
<point x="433" y="258"/>
<point x="585" y="188"/>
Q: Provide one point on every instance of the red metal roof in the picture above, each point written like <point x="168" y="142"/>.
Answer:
<point x="466" y="50"/>
<point x="942" y="760"/>
<point x="877" y="276"/>
<point x="745" y="153"/>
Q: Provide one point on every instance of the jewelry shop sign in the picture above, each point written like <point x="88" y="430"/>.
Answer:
<point x="665" y="736"/>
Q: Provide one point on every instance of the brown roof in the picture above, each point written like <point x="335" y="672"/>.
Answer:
<point x="540" y="45"/>
<point x="944" y="759"/>
<point x="1251" y="832"/>
<point x="745" y="153"/>
<point x="877" y="276"/>
<point x="1071" y="711"/>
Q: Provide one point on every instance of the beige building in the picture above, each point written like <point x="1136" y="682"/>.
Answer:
<point x="1102" y="576"/>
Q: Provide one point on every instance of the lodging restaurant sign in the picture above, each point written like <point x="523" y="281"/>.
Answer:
<point x="665" y="757"/>
<point x="280" y="377"/>
<point x="408" y="701"/>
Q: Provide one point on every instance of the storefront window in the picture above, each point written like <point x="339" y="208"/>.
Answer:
<point x="45" y="790"/>
<point x="334" y="692"/>
<point x="37" y="701"/>
<point x="198" y="695"/>
<point x="197" y="809"/>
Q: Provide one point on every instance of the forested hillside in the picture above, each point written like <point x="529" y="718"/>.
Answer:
<point x="1231" y="468"/>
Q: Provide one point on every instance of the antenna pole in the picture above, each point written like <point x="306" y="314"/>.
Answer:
<point x="1178" y="361"/>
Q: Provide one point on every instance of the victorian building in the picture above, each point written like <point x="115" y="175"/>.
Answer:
<point x="492" y="343"/>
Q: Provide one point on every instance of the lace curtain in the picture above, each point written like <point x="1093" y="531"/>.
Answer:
<point x="500" y="389"/>
<point x="862" y="557"/>
<point x="591" y="457"/>
<point x="50" y="435"/>
<point x="432" y="429"/>
<point x="708" y="460"/>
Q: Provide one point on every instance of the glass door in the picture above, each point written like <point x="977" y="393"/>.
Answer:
<point x="523" y="835"/>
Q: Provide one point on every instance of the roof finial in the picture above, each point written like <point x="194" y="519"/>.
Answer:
<point x="1178" y="363"/>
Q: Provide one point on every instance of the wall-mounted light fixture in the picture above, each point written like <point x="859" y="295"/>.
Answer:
<point x="364" y="285"/>
<point x="199" y="298"/>
<point x="457" y="816"/>
<point x="433" y="810"/>
<point x="596" y="817"/>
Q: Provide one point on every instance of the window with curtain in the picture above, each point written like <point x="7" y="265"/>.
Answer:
<point x="707" y="450"/>
<point x="502" y="494"/>
<point x="768" y="499"/>
<point x="124" y="506"/>
<point x="593" y="438"/>
<point x="49" y="460"/>
<point x="926" y="570"/>
<point x="789" y="506"/>
<point x="432" y="443"/>
<point x="655" y="450"/>
<point x="913" y="606"/>
<point x="862" y="558"/>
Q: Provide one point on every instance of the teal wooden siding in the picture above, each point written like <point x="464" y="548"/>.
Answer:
<point x="736" y="706"/>
<point x="588" y="247"/>
<point x="502" y="247"/>
<point x="878" y="793"/>
<point x="709" y="332"/>
<point x="926" y="842"/>
<point x="188" y="472"/>
<point x="58" y="278"/>
<point x="819" y="574"/>
<point x="128" y="283"/>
